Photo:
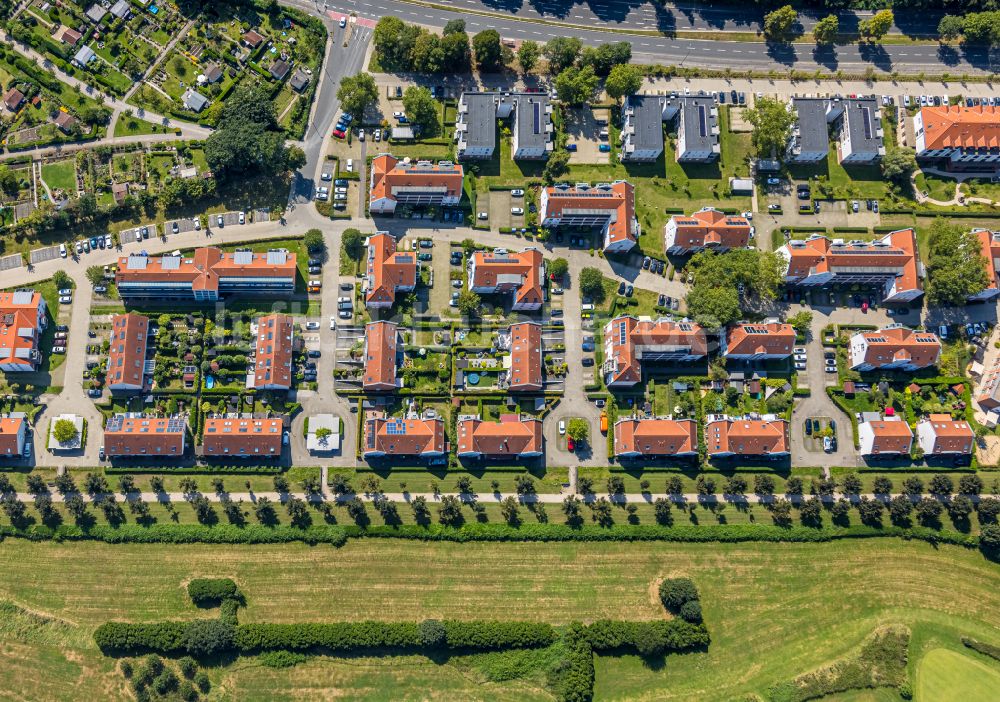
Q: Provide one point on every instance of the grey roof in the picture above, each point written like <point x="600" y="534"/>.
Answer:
<point x="194" y="100"/>
<point x="696" y="113"/>
<point x="531" y="119"/>
<point x="96" y="13"/>
<point x="647" y="121"/>
<point x="84" y="55"/>
<point x="480" y="120"/>
<point x="813" y="134"/>
<point x="299" y="80"/>
<point x="279" y="69"/>
<point x="121" y="8"/>
<point x="863" y="122"/>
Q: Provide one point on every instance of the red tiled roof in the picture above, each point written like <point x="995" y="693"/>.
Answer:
<point x="387" y="269"/>
<point x="746" y="437"/>
<point x="64" y="120"/>
<point x="710" y="226"/>
<point x="127" y="350"/>
<point x="950" y="435"/>
<point x="520" y="272"/>
<point x="380" y="355"/>
<point x="751" y="339"/>
<point x="893" y="436"/>
<point x="620" y="200"/>
<point x="273" y="367"/>
<point x="655" y="437"/>
<point x="144" y="436"/>
<point x="253" y="38"/>
<point x="10" y="428"/>
<point x="204" y="267"/>
<point x="899" y="344"/>
<point x="525" y="356"/>
<point x="817" y="255"/>
<point x="640" y="334"/>
<point x="19" y="328"/>
<point x="70" y="36"/>
<point x="396" y="436"/>
<point x="990" y="249"/>
<point x="957" y="126"/>
<point x="511" y="436"/>
<point x="238" y="437"/>
<point x="13" y="99"/>
<point x="389" y="174"/>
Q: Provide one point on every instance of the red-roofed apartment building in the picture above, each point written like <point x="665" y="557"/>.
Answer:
<point x="511" y="437"/>
<point x="398" y="436"/>
<point x="22" y="321"/>
<point x="740" y="436"/>
<point x="524" y="366"/>
<point x="520" y="275"/>
<point x="989" y="243"/>
<point x="708" y="228"/>
<point x="890" y="262"/>
<point x="610" y="206"/>
<point x="241" y="437"/>
<point x="894" y="348"/>
<point x="206" y="275"/>
<point x="127" y="367"/>
<point x="421" y="183"/>
<point x="884" y="436"/>
<point x="940" y="434"/>
<point x="958" y="138"/>
<point x="630" y="343"/>
<point x="13" y="434"/>
<point x="273" y="346"/>
<point x="389" y="271"/>
<point x="382" y="354"/>
<point x="770" y="340"/>
<point x="137" y="435"/>
<point x="637" y="437"/>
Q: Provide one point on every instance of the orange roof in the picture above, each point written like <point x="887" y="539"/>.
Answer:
<point x="253" y="38"/>
<point x="751" y="339"/>
<point x="950" y="435"/>
<point x="990" y="249"/>
<point x="139" y="435"/>
<point x="746" y="437"/>
<point x="70" y="36"/>
<point x="511" y="436"/>
<point x="396" y="436"/>
<point x="620" y="201"/>
<point x="518" y="272"/>
<point x="892" y="436"/>
<point x="225" y="436"/>
<point x="10" y="428"/>
<point x="380" y="355"/>
<point x="896" y="252"/>
<point x="13" y="99"/>
<point x="274" y="352"/>
<point x="957" y="126"/>
<point x="387" y="269"/>
<point x="625" y="350"/>
<point x="127" y="350"/>
<point x="389" y="176"/>
<point x="898" y="344"/>
<point x="710" y="226"/>
<point x="526" y="356"/>
<point x="204" y="267"/>
<point x="19" y="328"/>
<point x="655" y="437"/>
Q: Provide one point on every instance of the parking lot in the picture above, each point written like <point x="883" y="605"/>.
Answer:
<point x="136" y="234"/>
<point x="187" y="224"/>
<point x="583" y="127"/>
<point x="228" y="219"/>
<point x="501" y="202"/>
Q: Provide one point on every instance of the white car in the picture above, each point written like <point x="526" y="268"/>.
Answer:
<point x="138" y="235"/>
<point x="326" y="176"/>
<point x="343" y="21"/>
<point x="378" y="135"/>
<point x="333" y="322"/>
<point x="220" y="221"/>
<point x="62" y="250"/>
<point x="312" y="326"/>
<point x="58" y="349"/>
<point x="340" y="189"/>
<point x="79" y="247"/>
<point x="517" y="210"/>
<point x="197" y="224"/>
<point x="350" y="165"/>
<point x="361" y="133"/>
<point x="562" y="426"/>
<point x="398" y="115"/>
<point x="799" y="365"/>
<point x="243" y="217"/>
<point x="799" y="350"/>
<point x="484" y="215"/>
<point x="315" y="283"/>
<point x="66" y="299"/>
<point x="748" y="215"/>
<point x="517" y="193"/>
<point x="66" y="291"/>
<point x="753" y="232"/>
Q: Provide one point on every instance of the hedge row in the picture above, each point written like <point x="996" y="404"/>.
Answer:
<point x="647" y="638"/>
<point x="984" y="648"/>
<point x="182" y="534"/>
<point x="573" y="676"/>
<point x="211" y="636"/>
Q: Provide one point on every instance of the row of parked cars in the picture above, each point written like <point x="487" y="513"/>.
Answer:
<point x="87" y="245"/>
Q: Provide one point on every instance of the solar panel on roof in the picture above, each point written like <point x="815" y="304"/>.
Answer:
<point x="243" y="258"/>
<point x="702" y="121"/>
<point x="137" y="263"/>
<point x="866" y="118"/>
<point x="22" y="297"/>
<point x="536" y="117"/>
<point x="170" y="263"/>
<point x="684" y="327"/>
<point x="276" y="258"/>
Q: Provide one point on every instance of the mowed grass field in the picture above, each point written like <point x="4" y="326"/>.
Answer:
<point x="948" y="676"/>
<point x="774" y="610"/>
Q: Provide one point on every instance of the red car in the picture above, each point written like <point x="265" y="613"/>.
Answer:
<point x="569" y="443"/>
<point x="339" y="134"/>
<point x="864" y="307"/>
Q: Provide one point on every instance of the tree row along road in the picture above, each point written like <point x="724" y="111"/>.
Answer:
<point x="912" y="59"/>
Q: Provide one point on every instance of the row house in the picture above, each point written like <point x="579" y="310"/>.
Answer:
<point x="417" y="184"/>
<point x="128" y="368"/>
<point x="511" y="437"/>
<point x="708" y="228"/>
<point x="23" y="318"/>
<point x="894" y="348"/>
<point x="388" y="271"/>
<point x="630" y="344"/>
<point x="520" y="275"/>
<point x="137" y="435"/>
<point x="274" y="337"/>
<point x="609" y="207"/>
<point x="383" y="356"/>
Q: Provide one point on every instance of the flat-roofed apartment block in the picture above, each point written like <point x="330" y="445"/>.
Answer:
<point x="939" y="434"/>
<point x="769" y="340"/>
<point x="708" y="228"/>
<point x="989" y="243"/>
<point x="531" y="126"/>
<point x="858" y="124"/>
<point x="520" y="275"/>
<point x="136" y="435"/>
<point x="511" y="437"/>
<point x="878" y="435"/>
<point x="641" y="437"/>
<point x="697" y="127"/>
<point x="523" y="364"/>
<point x="609" y="206"/>
<point x="630" y="344"/>
<point x="890" y="263"/>
<point x="128" y="368"/>
<point x="958" y="138"/>
<point x="419" y="184"/>
<point x="274" y="336"/>
<point x="22" y="321"/>
<point x="383" y="353"/>
<point x="894" y="348"/>
<point x="389" y="271"/>
<point x="755" y="435"/>
<point x="403" y="436"/>
<point x="13" y="435"/>
<point x="206" y="275"/>
<point x="241" y="436"/>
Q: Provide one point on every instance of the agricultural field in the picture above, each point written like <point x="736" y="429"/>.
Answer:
<point x="55" y="594"/>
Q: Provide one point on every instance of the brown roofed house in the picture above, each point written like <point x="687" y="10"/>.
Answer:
<point x="273" y="348"/>
<point x="708" y="228"/>
<point x="525" y="369"/>
<point x="127" y="370"/>
<point x="894" y="348"/>
<point x="510" y="437"/>
<point x="417" y="184"/>
<point x="769" y="340"/>
<point x="610" y="206"/>
<point x="739" y="436"/>
<point x="398" y="436"/>
<point x="521" y="275"/>
<point x="629" y="343"/>
<point x="13" y="99"/>
<point x="637" y="437"/>
<point x="884" y="436"/>
<point x="252" y="39"/>
<point x="940" y="434"/>
<point x="389" y="271"/>
<point x="137" y="435"/>
<point x="383" y="352"/>
<point x="242" y="437"/>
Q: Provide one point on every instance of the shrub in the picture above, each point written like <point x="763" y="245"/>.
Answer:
<point x="572" y="678"/>
<point x="433" y="633"/>
<point x="210" y="592"/>
<point x="691" y="611"/>
<point x="120" y="637"/>
<point x="208" y="637"/>
<point x="674" y="592"/>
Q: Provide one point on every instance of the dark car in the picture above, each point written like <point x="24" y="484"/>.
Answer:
<point x="588" y="361"/>
<point x="629" y="290"/>
<point x="661" y="300"/>
<point x="621" y="288"/>
<point x="62" y="328"/>
<point x="315" y="353"/>
<point x="587" y="346"/>
<point x="734" y="97"/>
<point x="646" y="261"/>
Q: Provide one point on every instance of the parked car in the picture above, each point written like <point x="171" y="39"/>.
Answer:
<point x="484" y="215"/>
<point x="314" y="353"/>
<point x="333" y="322"/>
<point x="621" y="287"/>
<point x="604" y="148"/>
<point x="517" y="193"/>
<point x="571" y="147"/>
<point x="243" y="217"/>
<point x="62" y="250"/>
<point x="517" y="211"/>
<point x="629" y="290"/>
<point x="562" y="426"/>
<point x="66" y="291"/>
<point x="427" y="243"/>
<point x="220" y="221"/>
<point x="570" y="446"/>
<point x="59" y="349"/>
<point x="66" y="299"/>
<point x="312" y="326"/>
<point x="423" y="256"/>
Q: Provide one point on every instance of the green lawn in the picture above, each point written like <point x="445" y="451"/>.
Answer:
<point x="61" y="175"/>
<point x="133" y="126"/>
<point x="937" y="188"/>
<point x="948" y="676"/>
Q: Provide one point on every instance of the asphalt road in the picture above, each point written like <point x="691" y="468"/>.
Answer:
<point x="696" y="52"/>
